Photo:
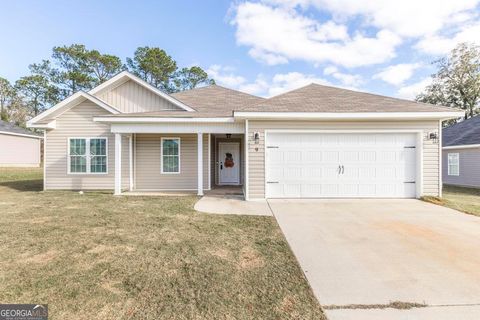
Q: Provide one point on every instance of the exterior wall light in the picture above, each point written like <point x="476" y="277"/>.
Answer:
<point x="256" y="137"/>
<point x="433" y="136"/>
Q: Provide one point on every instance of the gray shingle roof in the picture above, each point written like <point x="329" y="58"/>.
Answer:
<point x="215" y="100"/>
<point x="218" y="101"/>
<point x="9" y="127"/>
<point x="319" y="98"/>
<point x="462" y="133"/>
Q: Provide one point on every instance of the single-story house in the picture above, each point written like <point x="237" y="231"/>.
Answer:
<point x="19" y="147"/>
<point x="461" y="153"/>
<point x="313" y="142"/>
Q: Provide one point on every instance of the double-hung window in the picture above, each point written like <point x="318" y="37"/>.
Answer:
<point x="87" y="155"/>
<point x="170" y="155"/>
<point x="453" y="164"/>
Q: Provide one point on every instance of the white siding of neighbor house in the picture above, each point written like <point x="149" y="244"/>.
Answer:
<point x="469" y="168"/>
<point x="256" y="161"/>
<point x="131" y="97"/>
<point x="19" y="151"/>
<point x="78" y="122"/>
<point x="148" y="163"/>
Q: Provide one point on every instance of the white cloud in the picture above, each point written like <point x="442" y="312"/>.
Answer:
<point x="225" y="76"/>
<point x="414" y="89"/>
<point x="266" y="57"/>
<point x="347" y="80"/>
<point x="278" y="34"/>
<point x="278" y="31"/>
<point x="262" y="85"/>
<point x="289" y="81"/>
<point x="397" y="74"/>
<point x="407" y="18"/>
<point x="440" y="45"/>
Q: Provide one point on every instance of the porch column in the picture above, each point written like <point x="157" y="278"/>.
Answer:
<point x="130" y="162"/>
<point x="200" y="163"/>
<point x="118" y="164"/>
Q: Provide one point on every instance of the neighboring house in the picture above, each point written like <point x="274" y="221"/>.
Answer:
<point x="461" y="153"/>
<point x="312" y="142"/>
<point x="19" y="147"/>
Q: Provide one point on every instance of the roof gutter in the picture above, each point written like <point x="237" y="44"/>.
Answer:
<point x="462" y="146"/>
<point x="50" y="125"/>
<point x="348" y="115"/>
<point x="21" y="134"/>
<point x="127" y="119"/>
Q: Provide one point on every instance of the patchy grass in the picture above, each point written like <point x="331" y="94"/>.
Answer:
<point x="459" y="198"/>
<point x="95" y="256"/>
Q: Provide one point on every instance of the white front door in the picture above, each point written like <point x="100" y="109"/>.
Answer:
<point x="318" y="165"/>
<point x="229" y="163"/>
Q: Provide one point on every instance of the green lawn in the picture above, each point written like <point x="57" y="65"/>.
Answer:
<point x="95" y="256"/>
<point x="459" y="198"/>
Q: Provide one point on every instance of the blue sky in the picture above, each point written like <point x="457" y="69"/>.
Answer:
<point x="262" y="47"/>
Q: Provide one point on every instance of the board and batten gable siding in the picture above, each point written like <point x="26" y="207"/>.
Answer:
<point x="78" y="122"/>
<point x="148" y="163"/>
<point x="469" y="168"/>
<point x="131" y="97"/>
<point x="256" y="158"/>
<point x="19" y="151"/>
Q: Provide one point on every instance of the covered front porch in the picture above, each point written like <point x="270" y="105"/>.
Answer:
<point x="163" y="161"/>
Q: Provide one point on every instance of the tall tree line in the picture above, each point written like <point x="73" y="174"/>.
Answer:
<point x="73" y="68"/>
<point x="456" y="83"/>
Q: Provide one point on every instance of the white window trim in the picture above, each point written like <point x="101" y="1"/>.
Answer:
<point x="87" y="151"/>
<point x="179" y="154"/>
<point x="457" y="164"/>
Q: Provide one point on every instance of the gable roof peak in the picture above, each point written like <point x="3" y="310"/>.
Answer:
<point x="68" y="103"/>
<point x="125" y="75"/>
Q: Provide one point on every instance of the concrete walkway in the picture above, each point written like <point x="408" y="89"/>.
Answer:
<point x="373" y="252"/>
<point x="232" y="205"/>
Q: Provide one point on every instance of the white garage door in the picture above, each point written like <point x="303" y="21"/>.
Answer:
<point x="323" y="165"/>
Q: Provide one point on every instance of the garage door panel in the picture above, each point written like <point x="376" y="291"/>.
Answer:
<point x="367" y="190"/>
<point x="292" y="173"/>
<point x="275" y="155"/>
<point x="386" y="156"/>
<point x="292" y="157"/>
<point x="367" y="156"/>
<point x="348" y="156"/>
<point x="330" y="156"/>
<point x="367" y="173"/>
<point x="311" y="190"/>
<point x="307" y="165"/>
<point x="292" y="190"/>
<point x="275" y="173"/>
<point x="314" y="156"/>
<point x="312" y="172"/>
<point x="330" y="190"/>
<point x="330" y="171"/>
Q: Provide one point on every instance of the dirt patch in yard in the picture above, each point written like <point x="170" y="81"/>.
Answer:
<point x="41" y="258"/>
<point x="250" y="259"/>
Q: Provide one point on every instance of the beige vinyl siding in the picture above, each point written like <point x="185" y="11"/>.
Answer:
<point x="19" y="151"/>
<point x="78" y="122"/>
<point x="148" y="165"/>
<point x="256" y="161"/>
<point x="131" y="97"/>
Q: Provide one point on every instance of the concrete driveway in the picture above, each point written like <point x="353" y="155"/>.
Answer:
<point x="373" y="252"/>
